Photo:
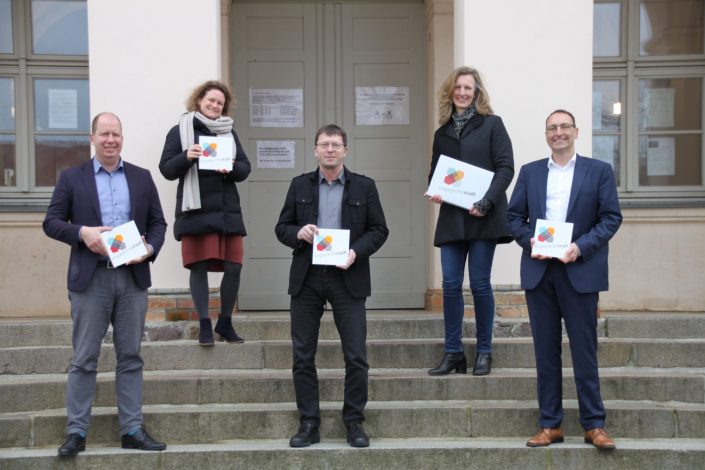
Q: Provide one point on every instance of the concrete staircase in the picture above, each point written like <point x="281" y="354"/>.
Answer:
<point x="232" y="406"/>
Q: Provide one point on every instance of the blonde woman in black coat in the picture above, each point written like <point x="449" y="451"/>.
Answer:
<point x="470" y="132"/>
<point x="209" y="220"/>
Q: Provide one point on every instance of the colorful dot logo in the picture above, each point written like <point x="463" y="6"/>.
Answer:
<point x="453" y="177"/>
<point x="211" y="150"/>
<point x="546" y="234"/>
<point x="326" y="244"/>
<point x="117" y="243"/>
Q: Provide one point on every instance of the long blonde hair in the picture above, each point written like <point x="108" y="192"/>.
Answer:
<point x="445" y="94"/>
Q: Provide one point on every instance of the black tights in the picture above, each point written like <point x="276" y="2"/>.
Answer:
<point x="229" y="287"/>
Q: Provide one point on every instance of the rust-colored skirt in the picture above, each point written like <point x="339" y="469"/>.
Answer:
<point x="213" y="247"/>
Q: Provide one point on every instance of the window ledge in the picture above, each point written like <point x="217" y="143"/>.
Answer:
<point x="661" y="203"/>
<point x="24" y="205"/>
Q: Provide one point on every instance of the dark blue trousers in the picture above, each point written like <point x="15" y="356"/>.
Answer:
<point x="552" y="300"/>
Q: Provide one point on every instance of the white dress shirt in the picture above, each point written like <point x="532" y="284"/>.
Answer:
<point x="560" y="180"/>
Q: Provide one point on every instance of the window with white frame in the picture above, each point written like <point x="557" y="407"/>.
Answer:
<point x="44" y="97"/>
<point x="648" y="81"/>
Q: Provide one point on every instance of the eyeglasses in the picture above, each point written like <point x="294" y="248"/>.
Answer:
<point x="333" y="145"/>
<point x="564" y="127"/>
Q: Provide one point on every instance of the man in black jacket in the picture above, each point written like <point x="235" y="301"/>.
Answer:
<point x="335" y="198"/>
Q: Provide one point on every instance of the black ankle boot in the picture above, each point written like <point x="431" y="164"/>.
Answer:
<point x="450" y="362"/>
<point x="483" y="364"/>
<point x="224" y="328"/>
<point x="205" y="333"/>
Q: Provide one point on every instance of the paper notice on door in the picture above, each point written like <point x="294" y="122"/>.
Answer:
<point x="276" y="154"/>
<point x="381" y="106"/>
<point x="276" y="107"/>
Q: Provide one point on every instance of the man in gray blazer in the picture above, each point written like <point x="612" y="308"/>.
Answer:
<point x="90" y="199"/>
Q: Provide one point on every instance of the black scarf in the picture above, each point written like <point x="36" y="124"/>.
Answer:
<point x="460" y="120"/>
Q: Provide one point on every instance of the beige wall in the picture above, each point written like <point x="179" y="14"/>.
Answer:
<point x="657" y="261"/>
<point x="145" y="58"/>
<point x="33" y="274"/>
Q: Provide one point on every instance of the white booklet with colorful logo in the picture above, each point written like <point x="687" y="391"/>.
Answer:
<point x="459" y="183"/>
<point x="217" y="152"/>
<point x="124" y="243"/>
<point x="331" y="246"/>
<point x="552" y="238"/>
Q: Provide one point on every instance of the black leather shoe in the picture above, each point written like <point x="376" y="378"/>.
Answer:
<point x="224" y="328"/>
<point x="357" y="436"/>
<point x="483" y="364"/>
<point x="141" y="440"/>
<point x="451" y="361"/>
<point x="205" y="332"/>
<point x="73" y="444"/>
<point x="307" y="435"/>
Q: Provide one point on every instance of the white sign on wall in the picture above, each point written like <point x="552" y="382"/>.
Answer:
<point x="276" y="153"/>
<point x="659" y="107"/>
<point x="380" y="106"/>
<point x="661" y="156"/>
<point x="276" y="107"/>
<point x="63" y="109"/>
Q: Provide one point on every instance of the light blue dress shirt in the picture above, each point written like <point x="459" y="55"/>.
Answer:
<point x="113" y="195"/>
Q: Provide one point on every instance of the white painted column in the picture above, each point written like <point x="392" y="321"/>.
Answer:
<point x="535" y="56"/>
<point x="439" y="30"/>
<point x="145" y="57"/>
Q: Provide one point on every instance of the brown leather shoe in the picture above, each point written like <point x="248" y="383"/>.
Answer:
<point x="545" y="437"/>
<point x="599" y="438"/>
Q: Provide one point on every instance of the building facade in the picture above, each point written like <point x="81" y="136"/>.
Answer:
<point x="632" y="72"/>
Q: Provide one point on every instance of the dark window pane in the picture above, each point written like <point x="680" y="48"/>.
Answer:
<point x="59" y="27"/>
<point x="607" y="30"/>
<point x="61" y="105"/>
<point x="606" y="105"/>
<point x="606" y="149"/>
<point x="7" y="104"/>
<point x="8" y="169"/>
<point x="6" y="46"/>
<point x="670" y="27"/>
<point x="57" y="153"/>
<point x="670" y="160"/>
<point x="670" y="104"/>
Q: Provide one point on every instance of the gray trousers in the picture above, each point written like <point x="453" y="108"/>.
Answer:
<point x="112" y="296"/>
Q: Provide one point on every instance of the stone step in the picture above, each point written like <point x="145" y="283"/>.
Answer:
<point x="381" y="325"/>
<point x="507" y="352"/>
<point x="655" y="325"/>
<point x="268" y="326"/>
<point x="390" y="454"/>
<point x="39" y="392"/>
<point x="190" y="424"/>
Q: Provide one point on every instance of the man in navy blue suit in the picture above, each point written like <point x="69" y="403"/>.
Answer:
<point x="566" y="188"/>
<point x="88" y="200"/>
